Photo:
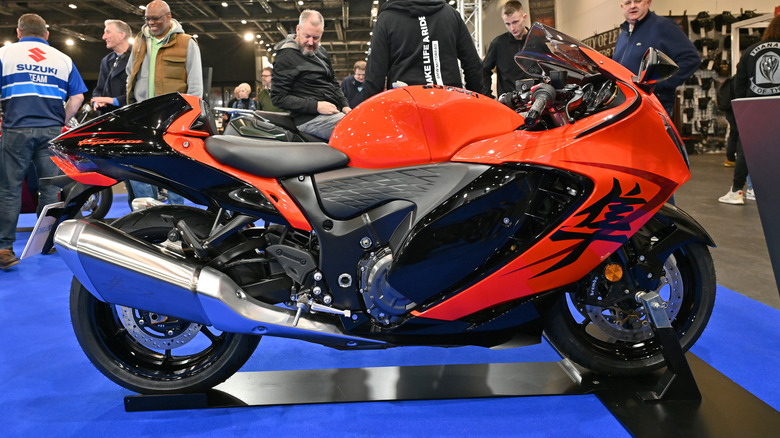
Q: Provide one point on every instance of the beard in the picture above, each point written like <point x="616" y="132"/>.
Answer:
<point x="307" y="50"/>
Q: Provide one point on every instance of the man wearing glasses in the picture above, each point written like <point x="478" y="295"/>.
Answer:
<point x="644" y="29"/>
<point x="264" y="94"/>
<point x="164" y="60"/>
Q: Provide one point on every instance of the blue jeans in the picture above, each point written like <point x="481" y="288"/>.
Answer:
<point x="322" y="125"/>
<point x="144" y="190"/>
<point x="19" y="148"/>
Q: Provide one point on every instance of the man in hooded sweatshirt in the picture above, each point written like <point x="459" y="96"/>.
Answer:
<point x="153" y="68"/>
<point x="419" y="42"/>
<point x="304" y="82"/>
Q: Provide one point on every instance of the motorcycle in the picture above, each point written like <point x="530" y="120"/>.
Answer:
<point x="436" y="216"/>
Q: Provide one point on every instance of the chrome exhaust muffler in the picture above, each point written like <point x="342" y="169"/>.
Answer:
<point x="118" y="268"/>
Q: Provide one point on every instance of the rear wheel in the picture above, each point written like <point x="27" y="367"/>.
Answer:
<point x="98" y="204"/>
<point x="617" y="339"/>
<point x="148" y="352"/>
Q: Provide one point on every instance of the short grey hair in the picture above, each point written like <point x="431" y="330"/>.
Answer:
<point x="311" y="15"/>
<point x="120" y="26"/>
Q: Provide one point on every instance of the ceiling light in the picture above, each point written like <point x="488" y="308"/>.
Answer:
<point x="131" y="40"/>
<point x="72" y="6"/>
<point x="7" y="43"/>
<point x="142" y="7"/>
<point x="248" y="36"/>
<point x="69" y="42"/>
<point x="243" y="21"/>
<point x="300" y="2"/>
<point x="224" y="4"/>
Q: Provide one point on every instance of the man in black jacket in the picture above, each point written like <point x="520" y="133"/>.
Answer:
<point x="419" y="42"/>
<point x="110" y="92"/>
<point x="304" y="82"/>
<point x="502" y="50"/>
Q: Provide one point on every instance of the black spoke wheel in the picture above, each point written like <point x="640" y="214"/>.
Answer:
<point x="148" y="352"/>
<point x="617" y="340"/>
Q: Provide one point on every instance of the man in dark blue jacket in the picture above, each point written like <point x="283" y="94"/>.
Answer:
<point x="644" y="29"/>
<point x="111" y="90"/>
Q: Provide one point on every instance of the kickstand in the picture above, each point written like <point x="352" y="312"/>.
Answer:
<point x="677" y="383"/>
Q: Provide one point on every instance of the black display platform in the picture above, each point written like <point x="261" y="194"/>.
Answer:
<point x="662" y="404"/>
<point x="725" y="408"/>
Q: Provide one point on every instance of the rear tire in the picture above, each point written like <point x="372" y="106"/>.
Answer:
<point x="150" y="353"/>
<point x="97" y="205"/>
<point x="608" y="341"/>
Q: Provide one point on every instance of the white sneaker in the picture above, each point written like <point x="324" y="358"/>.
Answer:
<point x="750" y="195"/>
<point x="732" y="198"/>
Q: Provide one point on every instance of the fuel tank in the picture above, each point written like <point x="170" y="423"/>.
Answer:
<point x="419" y="125"/>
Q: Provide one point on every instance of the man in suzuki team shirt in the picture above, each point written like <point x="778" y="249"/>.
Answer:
<point x="36" y="79"/>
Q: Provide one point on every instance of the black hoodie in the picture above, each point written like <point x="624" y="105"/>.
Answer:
<point x="419" y="42"/>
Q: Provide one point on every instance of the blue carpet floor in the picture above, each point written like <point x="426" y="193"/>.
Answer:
<point x="49" y="388"/>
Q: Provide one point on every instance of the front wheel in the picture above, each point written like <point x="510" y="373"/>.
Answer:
<point x="617" y="339"/>
<point x="147" y="352"/>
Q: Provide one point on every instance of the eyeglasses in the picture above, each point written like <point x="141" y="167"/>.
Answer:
<point x="157" y="18"/>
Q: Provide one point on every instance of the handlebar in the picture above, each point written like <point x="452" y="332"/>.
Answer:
<point x="542" y="95"/>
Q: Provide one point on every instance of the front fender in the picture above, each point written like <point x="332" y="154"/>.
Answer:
<point x="686" y="229"/>
<point x="667" y="231"/>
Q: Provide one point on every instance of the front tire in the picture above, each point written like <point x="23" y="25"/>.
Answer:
<point x="618" y="340"/>
<point x="151" y="353"/>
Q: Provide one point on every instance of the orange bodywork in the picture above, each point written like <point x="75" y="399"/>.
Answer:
<point x="419" y="125"/>
<point x="634" y="166"/>
<point x="180" y="137"/>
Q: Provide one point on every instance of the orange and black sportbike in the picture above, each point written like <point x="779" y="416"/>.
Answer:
<point x="435" y="216"/>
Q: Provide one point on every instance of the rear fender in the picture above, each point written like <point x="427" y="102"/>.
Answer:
<point x="74" y="195"/>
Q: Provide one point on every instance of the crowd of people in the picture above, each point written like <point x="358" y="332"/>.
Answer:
<point x="414" y="42"/>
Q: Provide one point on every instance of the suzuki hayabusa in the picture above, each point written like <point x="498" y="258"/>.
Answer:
<point x="435" y="216"/>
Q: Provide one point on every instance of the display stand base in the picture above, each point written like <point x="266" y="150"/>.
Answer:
<point x="662" y="404"/>
<point x="725" y="408"/>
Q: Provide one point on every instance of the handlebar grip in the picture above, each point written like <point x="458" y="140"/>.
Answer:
<point x="541" y="94"/>
<point x="536" y="110"/>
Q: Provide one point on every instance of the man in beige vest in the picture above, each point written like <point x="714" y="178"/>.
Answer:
<point x="164" y="60"/>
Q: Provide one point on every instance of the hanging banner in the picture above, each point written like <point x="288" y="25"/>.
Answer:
<point x="542" y="11"/>
<point x="604" y="42"/>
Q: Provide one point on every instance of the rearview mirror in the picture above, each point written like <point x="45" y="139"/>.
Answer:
<point x="655" y="67"/>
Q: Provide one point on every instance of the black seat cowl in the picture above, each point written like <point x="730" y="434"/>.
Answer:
<point x="282" y="120"/>
<point x="274" y="159"/>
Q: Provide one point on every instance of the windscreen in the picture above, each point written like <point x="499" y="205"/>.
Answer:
<point x="547" y="49"/>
